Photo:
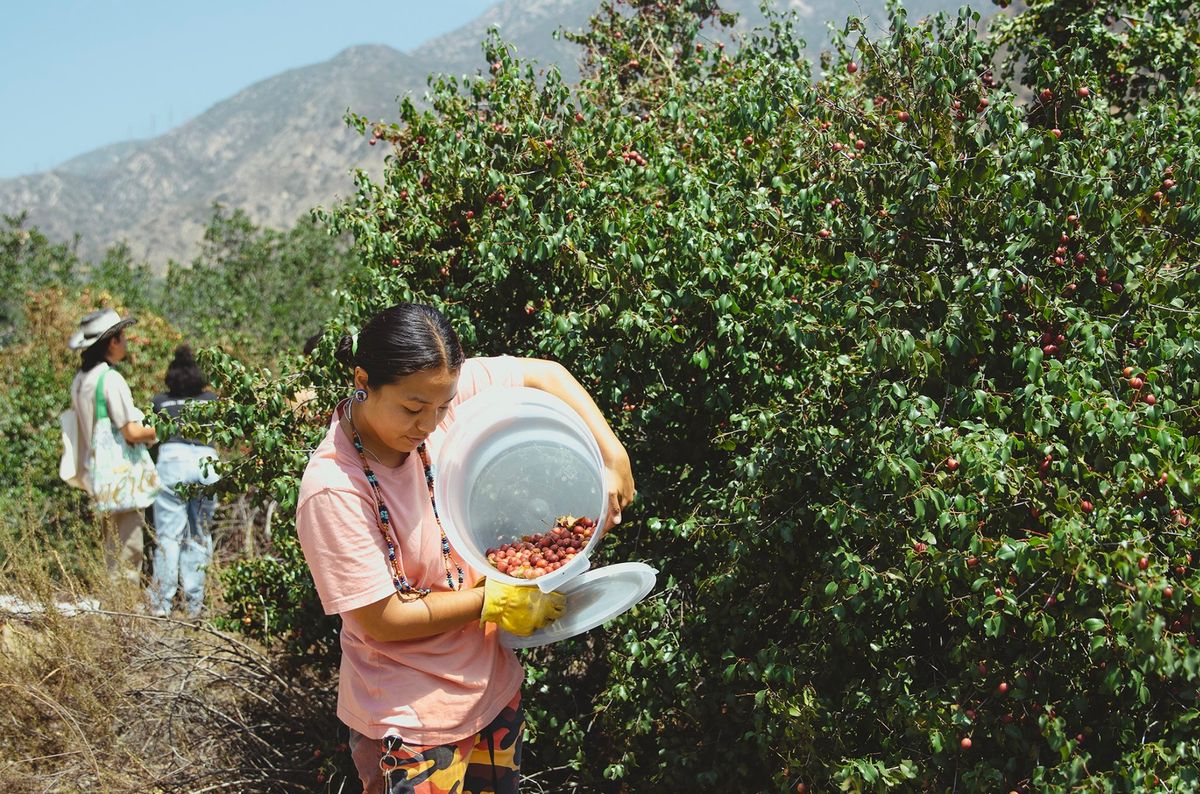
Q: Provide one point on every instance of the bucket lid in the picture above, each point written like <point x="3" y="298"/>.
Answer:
<point x="593" y="598"/>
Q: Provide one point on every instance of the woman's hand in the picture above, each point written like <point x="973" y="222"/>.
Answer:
<point x="618" y="480"/>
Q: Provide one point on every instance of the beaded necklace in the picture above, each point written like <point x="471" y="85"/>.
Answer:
<point x="399" y="579"/>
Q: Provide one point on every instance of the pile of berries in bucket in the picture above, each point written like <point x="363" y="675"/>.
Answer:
<point x="536" y="555"/>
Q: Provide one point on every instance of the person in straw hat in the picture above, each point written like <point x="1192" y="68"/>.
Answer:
<point x="101" y="341"/>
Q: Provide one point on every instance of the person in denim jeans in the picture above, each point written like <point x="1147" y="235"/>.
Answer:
<point x="182" y="525"/>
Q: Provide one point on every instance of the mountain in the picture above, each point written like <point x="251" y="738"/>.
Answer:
<point x="279" y="147"/>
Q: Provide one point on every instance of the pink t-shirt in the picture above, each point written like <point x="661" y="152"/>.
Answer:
<point x="433" y="690"/>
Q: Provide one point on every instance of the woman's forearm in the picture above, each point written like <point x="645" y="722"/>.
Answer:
<point x="138" y="433"/>
<point x="393" y="618"/>
<point x="552" y="377"/>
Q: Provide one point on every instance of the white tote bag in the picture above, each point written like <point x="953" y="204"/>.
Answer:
<point x="123" y="475"/>
<point x="68" y="464"/>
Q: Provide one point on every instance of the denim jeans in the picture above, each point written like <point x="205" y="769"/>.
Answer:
<point x="182" y="528"/>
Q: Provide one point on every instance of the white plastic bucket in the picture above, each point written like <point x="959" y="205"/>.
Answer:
<point x="513" y="461"/>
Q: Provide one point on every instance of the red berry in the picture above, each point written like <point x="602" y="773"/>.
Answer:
<point x="952" y="464"/>
<point x="1086" y="506"/>
<point x="1083" y="91"/>
<point x="1127" y="372"/>
<point x="1136" y="383"/>
<point x="1002" y="687"/>
<point x="860" y="144"/>
<point x="1149" y="398"/>
<point x="903" y="115"/>
<point x="1056" y="132"/>
<point x="852" y="67"/>
<point x="965" y="743"/>
<point x="1046" y="94"/>
<point x="1143" y="563"/>
<point x="1168" y="591"/>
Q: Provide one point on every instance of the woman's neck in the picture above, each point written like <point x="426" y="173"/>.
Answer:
<point x="374" y="449"/>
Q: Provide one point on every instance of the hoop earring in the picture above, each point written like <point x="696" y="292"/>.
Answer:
<point x="360" y="396"/>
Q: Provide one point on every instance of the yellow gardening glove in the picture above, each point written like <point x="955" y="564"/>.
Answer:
<point x="519" y="609"/>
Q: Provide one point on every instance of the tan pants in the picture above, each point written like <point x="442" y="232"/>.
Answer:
<point x="123" y="544"/>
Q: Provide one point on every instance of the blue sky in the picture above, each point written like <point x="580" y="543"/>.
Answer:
<point x="77" y="75"/>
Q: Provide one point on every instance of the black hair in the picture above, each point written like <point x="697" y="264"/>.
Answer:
<point x="311" y="343"/>
<point x="401" y="340"/>
<point x="184" y="378"/>
<point x="98" y="350"/>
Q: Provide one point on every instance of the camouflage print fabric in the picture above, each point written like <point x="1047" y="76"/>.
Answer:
<point x="486" y="763"/>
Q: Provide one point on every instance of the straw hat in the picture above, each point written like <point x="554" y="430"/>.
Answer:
<point x="98" y="326"/>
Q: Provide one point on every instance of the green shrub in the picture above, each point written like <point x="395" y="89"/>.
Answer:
<point x="864" y="337"/>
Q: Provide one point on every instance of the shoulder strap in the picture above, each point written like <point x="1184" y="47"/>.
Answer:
<point x="101" y="405"/>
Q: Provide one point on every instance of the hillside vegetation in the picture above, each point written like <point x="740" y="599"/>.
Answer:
<point x="906" y="365"/>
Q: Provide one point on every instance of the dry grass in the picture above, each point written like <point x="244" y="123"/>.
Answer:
<point x="111" y="699"/>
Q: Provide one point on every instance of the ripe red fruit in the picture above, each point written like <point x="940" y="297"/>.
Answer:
<point x="1047" y="94"/>
<point x="965" y="743"/>
<point x="1086" y="506"/>
<point x="920" y="547"/>
<point x="395" y="262"/>
<point x="1002" y="687"/>
<point x="1168" y="591"/>
<point x="1083" y="91"/>
<point x="860" y="144"/>
<point x="1056" y="132"/>
<point x="1081" y="257"/>
<point x="952" y="464"/>
<point x="496" y="67"/>
<point x="1127" y="372"/>
<point x="852" y="67"/>
<point x="1118" y="288"/>
<point x="578" y="116"/>
<point x="1143" y="563"/>
<point x="1149" y="398"/>
<point x="1158" y="196"/>
<point x="1136" y="383"/>
<point x="972" y="562"/>
<point x="824" y="233"/>
<point x="1168" y="183"/>
<point x="1049" y="350"/>
<point x="903" y="115"/>
<point x="999" y="593"/>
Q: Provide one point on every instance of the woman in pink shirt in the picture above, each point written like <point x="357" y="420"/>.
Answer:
<point x="431" y="697"/>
